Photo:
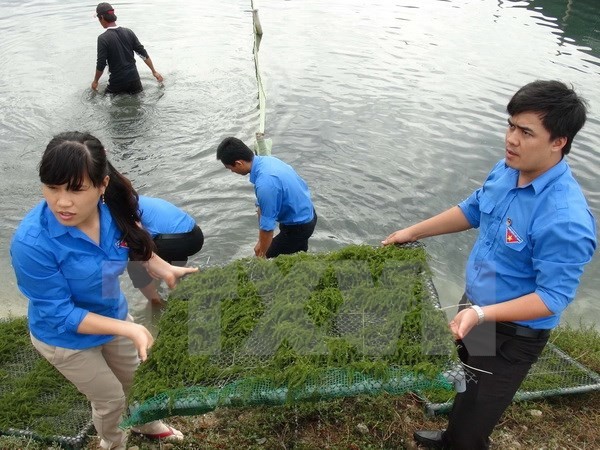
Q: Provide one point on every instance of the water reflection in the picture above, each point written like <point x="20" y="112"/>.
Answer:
<point x="578" y="20"/>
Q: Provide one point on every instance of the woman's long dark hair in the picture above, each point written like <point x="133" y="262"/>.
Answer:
<point x="72" y="155"/>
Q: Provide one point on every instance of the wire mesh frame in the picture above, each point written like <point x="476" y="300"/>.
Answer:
<point x="588" y="380"/>
<point x="202" y="399"/>
<point x="79" y="416"/>
<point x="66" y="442"/>
<point x="228" y="359"/>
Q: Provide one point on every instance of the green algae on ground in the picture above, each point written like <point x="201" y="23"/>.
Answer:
<point x="34" y="396"/>
<point x="299" y="318"/>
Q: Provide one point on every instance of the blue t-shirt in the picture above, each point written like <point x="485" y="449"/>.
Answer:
<point x="281" y="194"/>
<point x="65" y="275"/>
<point x="533" y="238"/>
<point x="161" y="217"/>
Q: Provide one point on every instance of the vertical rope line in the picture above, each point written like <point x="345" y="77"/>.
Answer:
<point x="261" y="147"/>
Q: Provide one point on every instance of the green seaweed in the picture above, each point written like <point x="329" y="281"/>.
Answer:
<point x="288" y="322"/>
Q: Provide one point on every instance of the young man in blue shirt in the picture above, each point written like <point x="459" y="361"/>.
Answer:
<point x="536" y="234"/>
<point x="282" y="196"/>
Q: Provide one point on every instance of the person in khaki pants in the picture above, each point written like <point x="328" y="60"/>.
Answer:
<point x="104" y="374"/>
<point x="68" y="253"/>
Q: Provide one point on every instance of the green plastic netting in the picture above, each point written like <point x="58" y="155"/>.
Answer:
<point x="306" y="327"/>
<point x="361" y="320"/>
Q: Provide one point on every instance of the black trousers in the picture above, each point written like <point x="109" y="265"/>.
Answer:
<point x="476" y="411"/>
<point x="173" y="248"/>
<point x="131" y="88"/>
<point x="292" y="238"/>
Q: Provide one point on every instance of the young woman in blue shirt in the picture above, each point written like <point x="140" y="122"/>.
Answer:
<point x="68" y="253"/>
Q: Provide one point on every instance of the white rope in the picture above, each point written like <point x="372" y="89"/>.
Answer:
<point x="451" y="306"/>
<point x="262" y="146"/>
<point x="475" y="368"/>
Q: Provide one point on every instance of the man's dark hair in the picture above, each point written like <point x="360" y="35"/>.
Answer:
<point x="232" y="149"/>
<point x="560" y="109"/>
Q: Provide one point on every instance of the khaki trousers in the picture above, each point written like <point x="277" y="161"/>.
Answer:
<point x="104" y="374"/>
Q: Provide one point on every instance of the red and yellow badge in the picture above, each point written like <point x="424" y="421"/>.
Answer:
<point x="511" y="236"/>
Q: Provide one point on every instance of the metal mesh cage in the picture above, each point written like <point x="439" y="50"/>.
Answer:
<point x="36" y="401"/>
<point x="555" y="373"/>
<point x="361" y="320"/>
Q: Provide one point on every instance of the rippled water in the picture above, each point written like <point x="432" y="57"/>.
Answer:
<point x="391" y="110"/>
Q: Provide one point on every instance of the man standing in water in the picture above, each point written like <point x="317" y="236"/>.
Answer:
<point x="116" y="47"/>
<point x="536" y="234"/>
<point x="282" y="197"/>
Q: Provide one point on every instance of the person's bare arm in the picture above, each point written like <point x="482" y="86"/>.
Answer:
<point x="450" y="221"/>
<point x="96" y="79"/>
<point x="160" y="269"/>
<point x="94" y="323"/>
<point x="264" y="242"/>
<point x="157" y="75"/>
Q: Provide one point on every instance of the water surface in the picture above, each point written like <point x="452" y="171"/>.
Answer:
<point x="391" y="110"/>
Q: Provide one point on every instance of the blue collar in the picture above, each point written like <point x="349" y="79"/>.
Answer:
<point x="255" y="169"/>
<point x="540" y="183"/>
<point x="55" y="228"/>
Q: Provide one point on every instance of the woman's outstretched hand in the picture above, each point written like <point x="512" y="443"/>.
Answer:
<point x="160" y="269"/>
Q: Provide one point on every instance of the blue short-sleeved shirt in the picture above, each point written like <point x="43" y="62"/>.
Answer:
<point x="533" y="238"/>
<point x="281" y="194"/>
<point x="161" y="217"/>
<point x="65" y="275"/>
